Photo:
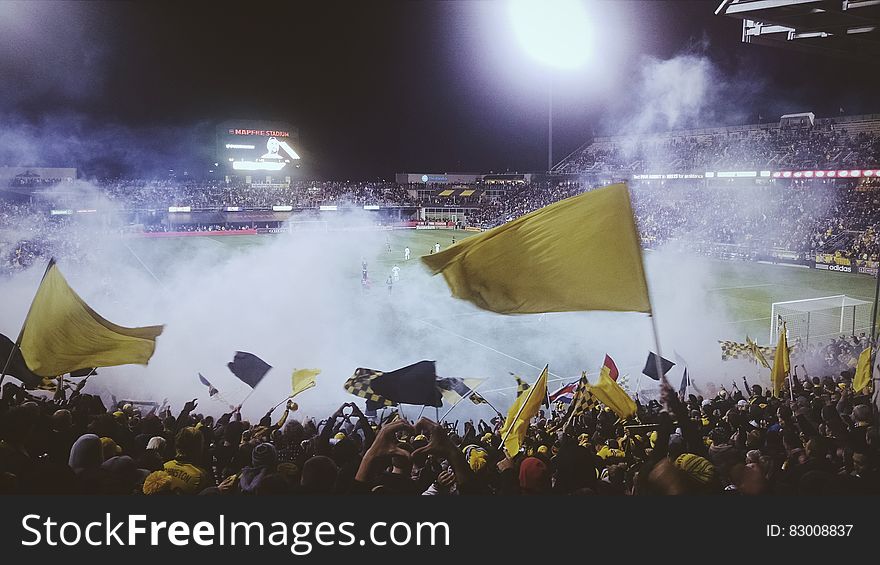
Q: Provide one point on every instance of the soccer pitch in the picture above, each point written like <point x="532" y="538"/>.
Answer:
<point x="745" y="290"/>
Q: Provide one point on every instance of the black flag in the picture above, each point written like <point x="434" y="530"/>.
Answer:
<point x="685" y="383"/>
<point x="650" y="369"/>
<point x="17" y="367"/>
<point x="249" y="368"/>
<point x="414" y="384"/>
<point x="211" y="390"/>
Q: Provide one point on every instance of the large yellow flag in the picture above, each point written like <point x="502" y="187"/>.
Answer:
<point x="303" y="379"/>
<point x="524" y="409"/>
<point x="613" y="396"/>
<point x="63" y="334"/>
<point x="863" y="370"/>
<point x="781" y="362"/>
<point x="581" y="253"/>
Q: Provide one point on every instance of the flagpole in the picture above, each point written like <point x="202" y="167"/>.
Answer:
<point x="873" y="355"/>
<point x="240" y="404"/>
<point x="17" y="344"/>
<point x="279" y="404"/>
<point x="659" y="355"/>
<point x="522" y="407"/>
<point x="467" y="395"/>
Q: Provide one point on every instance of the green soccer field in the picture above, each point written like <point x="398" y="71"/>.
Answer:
<point x="745" y="291"/>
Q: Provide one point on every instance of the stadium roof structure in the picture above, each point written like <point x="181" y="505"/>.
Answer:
<point x="849" y="28"/>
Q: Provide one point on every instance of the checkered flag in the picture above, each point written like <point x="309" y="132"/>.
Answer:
<point x="521" y="386"/>
<point x="735" y="350"/>
<point x="582" y="402"/>
<point x="360" y="384"/>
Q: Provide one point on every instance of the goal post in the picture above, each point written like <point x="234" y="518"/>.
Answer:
<point x="818" y="319"/>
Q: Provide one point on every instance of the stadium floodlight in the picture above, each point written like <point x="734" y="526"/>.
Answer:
<point x="555" y="32"/>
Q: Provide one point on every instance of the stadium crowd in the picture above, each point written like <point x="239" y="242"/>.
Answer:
<point x="748" y="149"/>
<point x="817" y="437"/>
<point x="211" y="195"/>
<point x="751" y="218"/>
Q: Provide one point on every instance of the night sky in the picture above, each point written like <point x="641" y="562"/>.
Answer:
<point x="374" y="88"/>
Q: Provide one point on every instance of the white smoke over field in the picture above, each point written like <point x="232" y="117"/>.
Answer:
<point x="691" y="91"/>
<point x="296" y="301"/>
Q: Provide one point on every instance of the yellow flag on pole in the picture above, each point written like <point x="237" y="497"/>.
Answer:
<point x="757" y="353"/>
<point x="781" y="362"/>
<point x="863" y="370"/>
<point x="581" y="253"/>
<point x="303" y="379"/>
<point x="63" y="334"/>
<point x="613" y="396"/>
<point x="524" y="408"/>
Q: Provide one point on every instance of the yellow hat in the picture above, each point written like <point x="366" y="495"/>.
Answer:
<point x="542" y="449"/>
<point x="477" y="457"/>
<point x="698" y="468"/>
<point x="109" y="448"/>
<point x="339" y="435"/>
<point x="420" y="437"/>
<point x="157" y="482"/>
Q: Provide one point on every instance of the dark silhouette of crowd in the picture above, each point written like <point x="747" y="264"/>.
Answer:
<point x="817" y="437"/>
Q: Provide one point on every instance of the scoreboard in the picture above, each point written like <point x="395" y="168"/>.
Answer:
<point x="245" y="146"/>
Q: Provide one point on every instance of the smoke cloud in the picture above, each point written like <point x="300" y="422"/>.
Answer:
<point x="296" y="301"/>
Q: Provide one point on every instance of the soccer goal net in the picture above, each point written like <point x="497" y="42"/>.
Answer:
<point x="818" y="319"/>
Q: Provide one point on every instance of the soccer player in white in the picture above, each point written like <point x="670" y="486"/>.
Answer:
<point x="406" y="253"/>
<point x="395" y="273"/>
<point x="436" y="248"/>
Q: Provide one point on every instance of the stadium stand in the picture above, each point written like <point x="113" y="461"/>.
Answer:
<point x="840" y="142"/>
<point x="743" y="218"/>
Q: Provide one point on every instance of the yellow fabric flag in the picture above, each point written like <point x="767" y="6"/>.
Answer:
<point x="523" y="410"/>
<point x="613" y="396"/>
<point x="581" y="253"/>
<point x="781" y="362"/>
<point x="63" y="334"/>
<point x="863" y="371"/>
<point x="303" y="379"/>
<point x="757" y="353"/>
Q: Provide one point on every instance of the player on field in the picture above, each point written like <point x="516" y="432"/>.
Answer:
<point x="406" y="253"/>
<point x="395" y="273"/>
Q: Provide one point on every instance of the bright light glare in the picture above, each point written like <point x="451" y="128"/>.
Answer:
<point x="555" y="32"/>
